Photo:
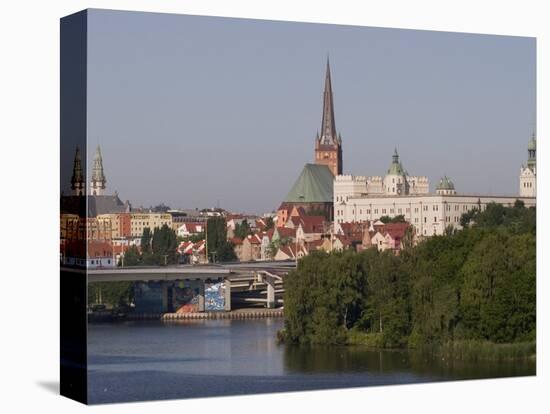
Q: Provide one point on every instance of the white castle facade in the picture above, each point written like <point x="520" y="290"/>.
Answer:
<point x="362" y="198"/>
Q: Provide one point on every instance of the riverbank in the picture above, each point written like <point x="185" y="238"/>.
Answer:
<point x="458" y="350"/>
<point x="236" y="314"/>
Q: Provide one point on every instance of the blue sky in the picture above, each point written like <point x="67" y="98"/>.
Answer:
<point x="198" y="111"/>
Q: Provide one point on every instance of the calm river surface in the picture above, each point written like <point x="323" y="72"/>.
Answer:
<point x="132" y="361"/>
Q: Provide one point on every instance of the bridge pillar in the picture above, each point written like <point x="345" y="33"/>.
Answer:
<point x="165" y="298"/>
<point x="201" y="295"/>
<point x="227" y="295"/>
<point x="270" y="281"/>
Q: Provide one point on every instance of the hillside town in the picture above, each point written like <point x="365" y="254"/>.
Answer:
<point x="324" y="210"/>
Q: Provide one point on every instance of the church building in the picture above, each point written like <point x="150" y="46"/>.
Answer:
<point x="92" y="201"/>
<point x="313" y="190"/>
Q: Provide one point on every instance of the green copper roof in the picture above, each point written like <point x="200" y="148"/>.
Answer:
<point x="396" y="168"/>
<point x="314" y="185"/>
<point x="445" y="184"/>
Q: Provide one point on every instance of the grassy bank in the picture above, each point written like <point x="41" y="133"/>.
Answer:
<point x="472" y="350"/>
<point x="461" y="350"/>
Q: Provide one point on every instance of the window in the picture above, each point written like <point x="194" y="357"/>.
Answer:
<point x="435" y="219"/>
<point x="425" y="219"/>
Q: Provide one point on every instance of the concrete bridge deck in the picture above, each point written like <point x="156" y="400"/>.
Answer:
<point x="252" y="282"/>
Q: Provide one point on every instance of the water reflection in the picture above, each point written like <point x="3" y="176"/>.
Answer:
<point x="357" y="359"/>
<point x="134" y="361"/>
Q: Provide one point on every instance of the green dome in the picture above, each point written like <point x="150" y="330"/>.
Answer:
<point x="445" y="184"/>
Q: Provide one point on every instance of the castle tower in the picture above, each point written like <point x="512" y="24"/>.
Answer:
<point x="395" y="181"/>
<point x="97" y="185"/>
<point x="528" y="174"/>
<point x="445" y="186"/>
<point x="77" y="179"/>
<point x="328" y="145"/>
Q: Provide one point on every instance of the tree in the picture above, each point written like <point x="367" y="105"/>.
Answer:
<point x="242" y="230"/>
<point x="111" y="293"/>
<point x="474" y="284"/>
<point x="269" y="223"/>
<point x="397" y="219"/>
<point x="218" y="248"/>
<point x="164" y="245"/>
<point x="132" y="257"/>
<point x="146" y="238"/>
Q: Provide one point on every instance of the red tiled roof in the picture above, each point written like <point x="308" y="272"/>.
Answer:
<point x="346" y="242"/>
<point x="99" y="249"/>
<point x="396" y="230"/>
<point x="286" y="232"/>
<point x="313" y="224"/>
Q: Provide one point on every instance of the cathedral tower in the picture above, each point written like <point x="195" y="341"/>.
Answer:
<point x="328" y="145"/>
<point x="97" y="185"/>
<point x="77" y="179"/>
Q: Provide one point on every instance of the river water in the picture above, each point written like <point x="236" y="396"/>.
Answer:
<point x="134" y="361"/>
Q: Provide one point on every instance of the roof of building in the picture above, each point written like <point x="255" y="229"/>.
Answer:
<point x="396" y="168"/>
<point x="98" y="248"/>
<point x="286" y="232"/>
<point x="99" y="204"/>
<point x="315" y="184"/>
<point x="445" y="183"/>
<point x="354" y="231"/>
<point x="396" y="230"/>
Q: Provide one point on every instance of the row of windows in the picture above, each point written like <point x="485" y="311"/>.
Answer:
<point x="527" y="185"/>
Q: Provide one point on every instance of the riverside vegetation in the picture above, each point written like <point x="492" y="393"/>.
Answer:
<point x="468" y="294"/>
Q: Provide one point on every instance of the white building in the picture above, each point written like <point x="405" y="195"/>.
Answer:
<point x="528" y="174"/>
<point x="396" y="182"/>
<point x="429" y="213"/>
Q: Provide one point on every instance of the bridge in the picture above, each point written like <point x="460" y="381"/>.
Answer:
<point x="243" y="283"/>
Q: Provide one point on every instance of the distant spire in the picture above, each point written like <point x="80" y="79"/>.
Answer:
<point x="395" y="156"/>
<point x="328" y="125"/>
<point x="77" y="179"/>
<point x="98" y="176"/>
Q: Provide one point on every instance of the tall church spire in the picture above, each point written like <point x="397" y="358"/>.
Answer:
<point x="328" y="144"/>
<point x="98" y="176"/>
<point x="77" y="179"/>
<point x="328" y="124"/>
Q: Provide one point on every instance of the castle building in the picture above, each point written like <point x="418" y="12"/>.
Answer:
<point x="528" y="174"/>
<point x="396" y="182"/>
<point x="357" y="200"/>
<point x="328" y="145"/>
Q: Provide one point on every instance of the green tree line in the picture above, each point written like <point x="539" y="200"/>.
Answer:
<point x="477" y="284"/>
